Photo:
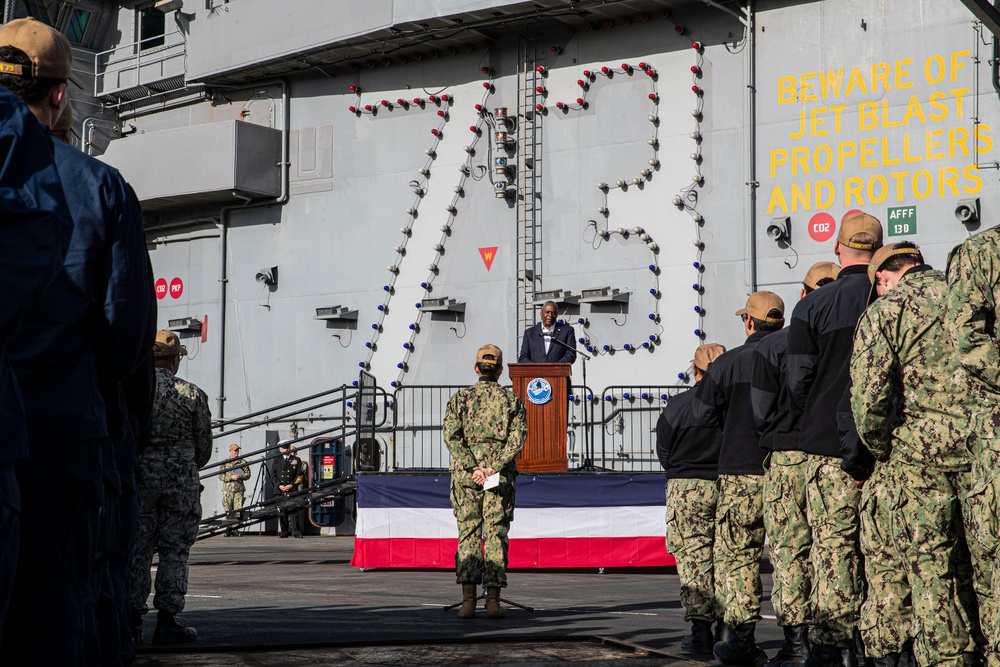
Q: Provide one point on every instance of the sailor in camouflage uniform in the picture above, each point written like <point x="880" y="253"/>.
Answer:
<point x="723" y="399"/>
<point x="232" y="474"/>
<point x="785" y="479"/>
<point x="973" y="313"/>
<point x="169" y="492"/>
<point x="904" y="362"/>
<point x="689" y="454"/>
<point x="484" y="429"/>
<point x="817" y="373"/>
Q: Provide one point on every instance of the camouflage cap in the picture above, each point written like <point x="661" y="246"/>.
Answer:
<point x="860" y="223"/>
<point x="706" y="354"/>
<point x="48" y="49"/>
<point x="168" y="344"/>
<point x="234" y="447"/>
<point x="818" y="272"/>
<point x="759" y="304"/>
<point x="880" y="257"/>
<point x="489" y="354"/>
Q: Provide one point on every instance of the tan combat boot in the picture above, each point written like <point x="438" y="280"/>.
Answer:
<point x="468" y="609"/>
<point x="493" y="609"/>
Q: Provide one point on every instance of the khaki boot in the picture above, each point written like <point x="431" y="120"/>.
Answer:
<point x="493" y="609"/>
<point x="468" y="609"/>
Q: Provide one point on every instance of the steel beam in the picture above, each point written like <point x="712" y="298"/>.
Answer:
<point x="985" y="12"/>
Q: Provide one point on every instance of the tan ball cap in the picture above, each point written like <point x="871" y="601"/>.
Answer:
<point x="168" y="344"/>
<point x="489" y="354"/>
<point x="234" y="447"/>
<point x="818" y="272"/>
<point x="879" y="258"/>
<point x="706" y="354"/>
<point x="759" y="304"/>
<point x="49" y="50"/>
<point x="860" y="223"/>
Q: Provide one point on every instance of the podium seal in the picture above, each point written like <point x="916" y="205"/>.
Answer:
<point x="539" y="391"/>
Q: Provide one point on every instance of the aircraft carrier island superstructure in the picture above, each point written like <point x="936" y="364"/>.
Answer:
<point x="384" y="186"/>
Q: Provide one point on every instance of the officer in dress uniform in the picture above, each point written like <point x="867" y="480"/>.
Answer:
<point x="232" y="475"/>
<point x="291" y="475"/>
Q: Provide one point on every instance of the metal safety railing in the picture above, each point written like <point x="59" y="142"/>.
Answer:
<point x="133" y="71"/>
<point x="614" y="429"/>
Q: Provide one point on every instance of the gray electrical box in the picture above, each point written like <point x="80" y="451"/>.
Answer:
<point x="200" y="164"/>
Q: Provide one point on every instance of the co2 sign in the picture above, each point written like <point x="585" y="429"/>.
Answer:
<point x="821" y="227"/>
<point x="174" y="289"/>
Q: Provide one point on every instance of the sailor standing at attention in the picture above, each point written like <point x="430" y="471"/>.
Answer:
<point x="484" y="429"/>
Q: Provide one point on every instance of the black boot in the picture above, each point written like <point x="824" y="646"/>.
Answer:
<point x="824" y="655"/>
<point x="973" y="659"/>
<point x="723" y="633"/>
<point x="890" y="660"/>
<point x="795" y="650"/>
<point x="169" y="631"/>
<point x="701" y="640"/>
<point x="742" y="649"/>
<point x="135" y="626"/>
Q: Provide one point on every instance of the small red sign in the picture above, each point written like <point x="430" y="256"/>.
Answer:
<point x="161" y="288"/>
<point x="328" y="460"/>
<point x="488" y="255"/>
<point x="176" y="288"/>
<point x="821" y="227"/>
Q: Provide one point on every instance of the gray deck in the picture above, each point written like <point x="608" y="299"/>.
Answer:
<point x="258" y="600"/>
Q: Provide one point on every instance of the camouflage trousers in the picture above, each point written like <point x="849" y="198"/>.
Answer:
<point x="168" y="521"/>
<point x="483" y="524"/>
<point x="691" y="505"/>
<point x="232" y="497"/>
<point x="927" y="530"/>
<point x="832" y="511"/>
<point x="887" y="611"/>
<point x="784" y="493"/>
<point x="740" y="531"/>
<point x="982" y="521"/>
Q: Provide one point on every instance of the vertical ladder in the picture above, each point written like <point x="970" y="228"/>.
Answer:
<point x="529" y="185"/>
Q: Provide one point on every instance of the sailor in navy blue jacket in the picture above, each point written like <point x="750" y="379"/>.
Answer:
<point x="86" y="335"/>
<point x="34" y="234"/>
<point x="90" y="328"/>
<point x="539" y="344"/>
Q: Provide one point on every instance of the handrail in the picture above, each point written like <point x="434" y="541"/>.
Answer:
<point x="215" y="465"/>
<point x="220" y="424"/>
<point x="412" y="417"/>
<point x="134" y="53"/>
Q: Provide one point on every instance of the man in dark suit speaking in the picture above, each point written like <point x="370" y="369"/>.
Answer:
<point x="547" y="342"/>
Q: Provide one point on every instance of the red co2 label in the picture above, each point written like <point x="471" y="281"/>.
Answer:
<point x="161" y="288"/>
<point x="821" y="227"/>
<point x="176" y="288"/>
